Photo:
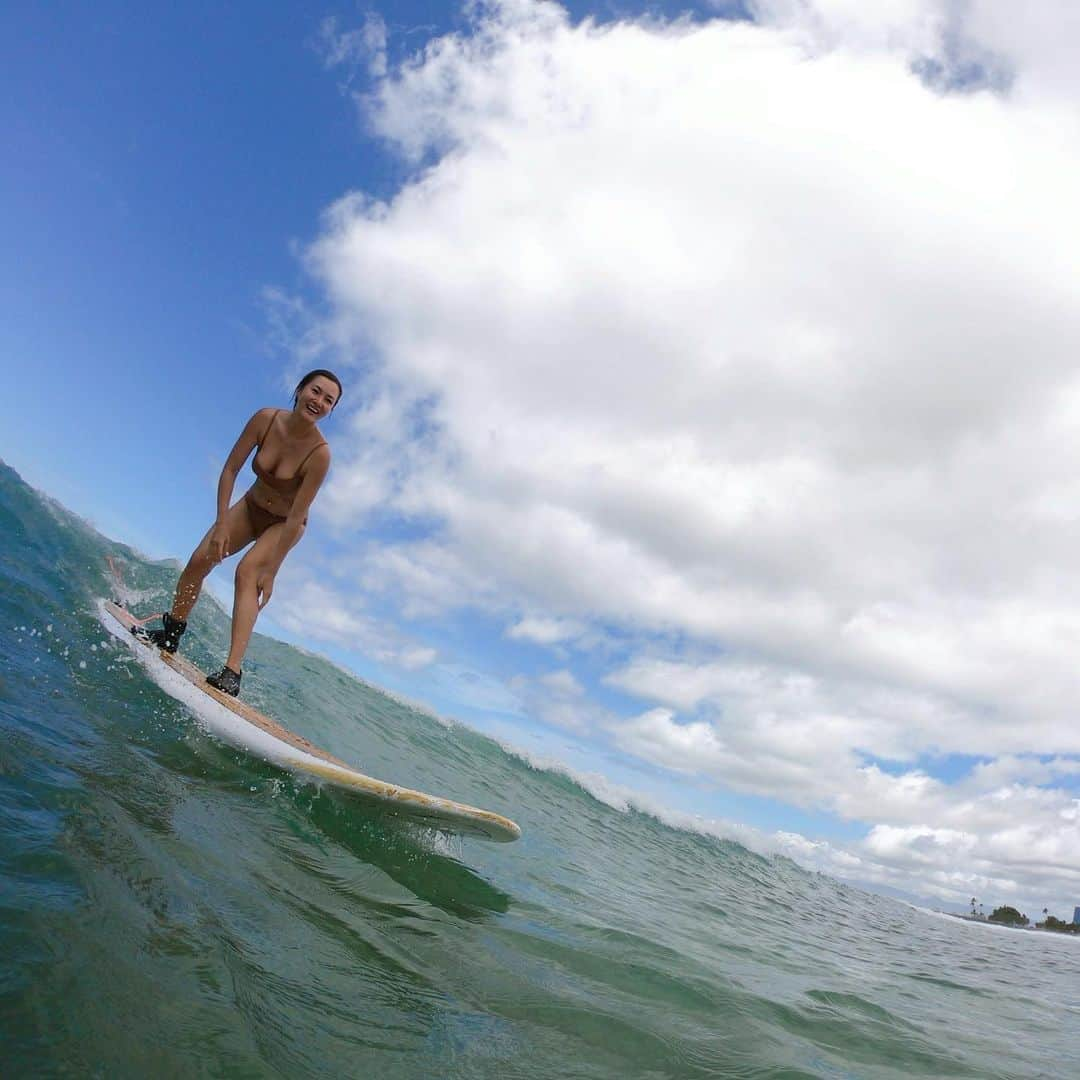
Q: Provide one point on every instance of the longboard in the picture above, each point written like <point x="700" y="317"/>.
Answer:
<point x="238" y="724"/>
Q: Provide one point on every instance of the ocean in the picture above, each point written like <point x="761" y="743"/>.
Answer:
<point x="173" y="907"/>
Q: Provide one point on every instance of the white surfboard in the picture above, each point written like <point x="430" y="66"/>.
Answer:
<point x="240" y="725"/>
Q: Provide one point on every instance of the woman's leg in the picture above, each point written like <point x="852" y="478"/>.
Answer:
<point x="238" y="522"/>
<point x="245" y="596"/>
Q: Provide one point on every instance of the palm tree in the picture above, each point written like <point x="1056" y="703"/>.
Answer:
<point x="973" y="903"/>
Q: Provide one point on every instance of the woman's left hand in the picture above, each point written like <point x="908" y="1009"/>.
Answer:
<point x="264" y="587"/>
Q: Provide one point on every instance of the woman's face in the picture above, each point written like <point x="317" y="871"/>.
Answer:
<point x="317" y="398"/>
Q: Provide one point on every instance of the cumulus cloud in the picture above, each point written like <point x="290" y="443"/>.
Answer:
<point x="324" y="613"/>
<point x="562" y="683"/>
<point x="544" y="630"/>
<point x="959" y="45"/>
<point x="758" y="337"/>
<point x="557" y="698"/>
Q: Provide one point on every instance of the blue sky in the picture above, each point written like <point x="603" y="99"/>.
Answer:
<point x="709" y="381"/>
<point x="146" y="229"/>
<point x="169" y="164"/>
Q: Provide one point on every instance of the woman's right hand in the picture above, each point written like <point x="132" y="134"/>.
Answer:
<point x="219" y="539"/>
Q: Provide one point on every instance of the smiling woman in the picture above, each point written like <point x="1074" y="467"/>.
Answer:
<point x="291" y="461"/>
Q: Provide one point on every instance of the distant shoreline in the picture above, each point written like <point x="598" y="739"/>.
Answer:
<point x="1073" y="930"/>
<point x="985" y="920"/>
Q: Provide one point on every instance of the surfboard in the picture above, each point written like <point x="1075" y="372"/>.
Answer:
<point x="240" y="725"/>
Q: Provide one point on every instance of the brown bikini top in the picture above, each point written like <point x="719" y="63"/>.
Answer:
<point x="284" y="485"/>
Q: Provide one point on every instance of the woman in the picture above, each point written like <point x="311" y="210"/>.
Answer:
<point x="291" y="461"/>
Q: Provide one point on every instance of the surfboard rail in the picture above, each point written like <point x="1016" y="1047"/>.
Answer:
<point x="243" y="726"/>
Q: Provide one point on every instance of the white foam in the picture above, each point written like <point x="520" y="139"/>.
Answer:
<point x="237" y="731"/>
<point x="133" y="598"/>
<point x="211" y="715"/>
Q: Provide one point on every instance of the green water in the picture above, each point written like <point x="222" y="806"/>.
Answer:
<point x="173" y="907"/>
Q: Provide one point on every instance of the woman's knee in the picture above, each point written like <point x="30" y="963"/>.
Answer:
<point x="246" y="573"/>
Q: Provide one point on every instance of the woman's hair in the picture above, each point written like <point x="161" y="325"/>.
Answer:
<point x="315" y="375"/>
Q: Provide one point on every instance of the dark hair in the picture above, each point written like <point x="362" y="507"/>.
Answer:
<point x="315" y="375"/>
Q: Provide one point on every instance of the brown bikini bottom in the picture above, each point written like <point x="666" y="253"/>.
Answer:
<point x="260" y="518"/>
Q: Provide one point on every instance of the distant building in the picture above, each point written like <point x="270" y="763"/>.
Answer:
<point x="1076" y="916"/>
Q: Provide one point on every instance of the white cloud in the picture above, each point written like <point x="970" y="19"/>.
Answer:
<point x="364" y="47"/>
<point x="1030" y="51"/>
<point x="562" y="683"/>
<point x="417" y="656"/>
<point x="558" y="699"/>
<point x="544" y="631"/>
<point x="746" y="337"/>
<point x="322" y="613"/>
<point x="1004" y="827"/>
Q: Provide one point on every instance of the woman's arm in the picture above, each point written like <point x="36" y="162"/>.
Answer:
<point x="240" y="452"/>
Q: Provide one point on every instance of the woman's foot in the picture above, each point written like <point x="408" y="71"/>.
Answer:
<point x="226" y="680"/>
<point x="168" y="638"/>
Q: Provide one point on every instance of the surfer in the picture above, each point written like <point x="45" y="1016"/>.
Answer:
<point x="291" y="461"/>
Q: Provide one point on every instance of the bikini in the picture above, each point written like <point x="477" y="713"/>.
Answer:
<point x="261" y="519"/>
